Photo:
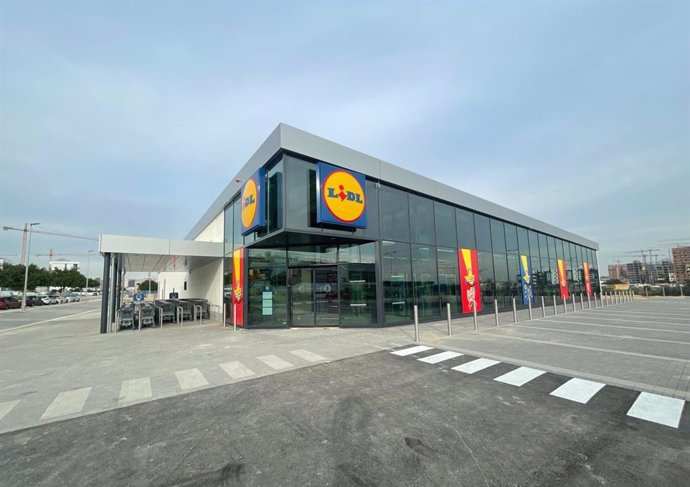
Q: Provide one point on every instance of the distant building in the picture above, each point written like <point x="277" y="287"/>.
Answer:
<point x="665" y="271"/>
<point x="618" y="271"/>
<point x="637" y="272"/>
<point x="63" y="265"/>
<point x="681" y="263"/>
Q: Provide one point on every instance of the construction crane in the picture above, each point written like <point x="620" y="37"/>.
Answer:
<point x="26" y="230"/>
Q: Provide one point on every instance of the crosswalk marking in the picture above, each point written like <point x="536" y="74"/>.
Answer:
<point x="439" y="357"/>
<point x="308" y="356"/>
<point x="191" y="379"/>
<point x="135" y="390"/>
<point x="236" y="370"/>
<point x="411" y="351"/>
<point x="275" y="362"/>
<point x="68" y="402"/>
<point x="658" y="409"/>
<point x="578" y="390"/>
<point x="476" y="365"/>
<point x="520" y="376"/>
<point x="6" y="407"/>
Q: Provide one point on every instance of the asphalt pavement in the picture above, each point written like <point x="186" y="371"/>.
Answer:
<point x="374" y="419"/>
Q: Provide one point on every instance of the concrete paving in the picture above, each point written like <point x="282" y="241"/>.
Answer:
<point x="375" y="419"/>
<point x="643" y="345"/>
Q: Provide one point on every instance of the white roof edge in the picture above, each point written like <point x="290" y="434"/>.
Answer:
<point x="127" y="244"/>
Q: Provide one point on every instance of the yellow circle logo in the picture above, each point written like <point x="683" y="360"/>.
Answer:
<point x="249" y="201"/>
<point x="344" y="196"/>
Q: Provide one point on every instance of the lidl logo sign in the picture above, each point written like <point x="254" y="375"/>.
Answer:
<point x="252" y="200"/>
<point x="342" y="197"/>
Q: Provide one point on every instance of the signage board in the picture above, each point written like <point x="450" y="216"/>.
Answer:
<point x="341" y="197"/>
<point x="253" y="203"/>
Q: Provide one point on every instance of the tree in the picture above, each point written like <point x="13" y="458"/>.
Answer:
<point x="614" y="281"/>
<point x="144" y="286"/>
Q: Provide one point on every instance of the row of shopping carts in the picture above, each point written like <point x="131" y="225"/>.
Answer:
<point x="141" y="315"/>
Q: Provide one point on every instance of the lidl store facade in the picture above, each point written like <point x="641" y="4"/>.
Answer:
<point x="316" y="234"/>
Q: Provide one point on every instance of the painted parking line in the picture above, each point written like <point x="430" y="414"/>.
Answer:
<point x="439" y="357"/>
<point x="190" y="379"/>
<point x="135" y="390"/>
<point x="51" y="319"/>
<point x="411" y="351"/>
<point x="476" y="365"/>
<point x="6" y="407"/>
<point x="236" y="370"/>
<point x="68" y="402"/>
<point x="658" y="409"/>
<point x="520" y="376"/>
<point x="308" y="356"/>
<point x="578" y="390"/>
<point x="275" y="362"/>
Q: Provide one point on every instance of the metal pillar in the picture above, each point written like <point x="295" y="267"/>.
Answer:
<point x="555" y="310"/>
<point x="416" y="324"/>
<point x="496" y="310"/>
<point x="543" y="308"/>
<point x="450" y="326"/>
<point x="474" y="314"/>
<point x="514" y="312"/>
<point x="529" y="308"/>
<point x="113" y="286"/>
<point x="105" y="290"/>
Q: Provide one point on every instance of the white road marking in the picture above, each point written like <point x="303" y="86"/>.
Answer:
<point x="411" y="351"/>
<point x="439" y="357"/>
<point x="68" y="402"/>
<point x="52" y="319"/>
<point x="308" y="356"/>
<point x="476" y="365"/>
<point x="236" y="370"/>
<point x="6" y="407"/>
<point x="275" y="362"/>
<point x="135" y="390"/>
<point x="578" y="390"/>
<point x="658" y="409"/>
<point x="191" y="379"/>
<point x="520" y="376"/>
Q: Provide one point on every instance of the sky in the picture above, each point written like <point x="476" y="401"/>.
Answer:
<point x="130" y="117"/>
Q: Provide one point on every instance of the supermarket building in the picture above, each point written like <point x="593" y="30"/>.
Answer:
<point x="312" y="233"/>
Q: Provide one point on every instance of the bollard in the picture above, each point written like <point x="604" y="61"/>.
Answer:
<point x="594" y="295"/>
<point x="574" y="308"/>
<point x="416" y="324"/>
<point x="565" y="305"/>
<point x="663" y="291"/>
<point x="139" y="318"/>
<point x="529" y="308"/>
<point x="234" y="316"/>
<point x="514" y="312"/>
<point x="582" y="303"/>
<point x="589" y="303"/>
<point x="225" y="315"/>
<point x="496" y="310"/>
<point x="555" y="310"/>
<point x="474" y="314"/>
<point x="543" y="309"/>
<point x="450" y="327"/>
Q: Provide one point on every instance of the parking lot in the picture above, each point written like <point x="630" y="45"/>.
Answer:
<point x="642" y="345"/>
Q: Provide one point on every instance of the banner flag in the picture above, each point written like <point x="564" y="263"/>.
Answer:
<point x="237" y="291"/>
<point x="469" y="280"/>
<point x="588" y="283"/>
<point x="526" y="281"/>
<point x="563" y="279"/>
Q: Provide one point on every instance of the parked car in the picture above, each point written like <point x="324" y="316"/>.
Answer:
<point x="54" y="298"/>
<point x="10" y="303"/>
<point x="29" y="301"/>
<point x="44" y="299"/>
<point x="36" y="301"/>
<point x="72" y="297"/>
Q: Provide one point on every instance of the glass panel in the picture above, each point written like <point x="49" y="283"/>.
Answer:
<point x="448" y="280"/>
<point x="486" y="279"/>
<point x="227" y="289"/>
<point x="465" y="224"/>
<point x="512" y="239"/>
<point x="552" y="248"/>
<point x="302" y="297"/>
<point x="515" y="290"/>
<point x="326" y="296"/>
<point x="445" y="224"/>
<point x="422" y="219"/>
<point x="358" y="285"/>
<point x="372" y="230"/>
<point x="502" y="284"/>
<point x="275" y="198"/>
<point x="267" y="292"/>
<point x="425" y="280"/>
<point x="300" y="177"/>
<point x="498" y="236"/>
<point x="393" y="214"/>
<point x="312" y="254"/>
<point x="482" y="229"/>
<point x="523" y="244"/>
<point x="237" y="240"/>
<point x="533" y="243"/>
<point x="543" y="247"/>
<point x="397" y="281"/>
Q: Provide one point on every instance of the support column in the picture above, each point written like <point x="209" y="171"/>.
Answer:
<point x="105" y="290"/>
<point x="113" y="293"/>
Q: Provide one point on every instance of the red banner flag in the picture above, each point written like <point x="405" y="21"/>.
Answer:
<point x="563" y="279"/>
<point x="588" y="283"/>
<point x="237" y="291"/>
<point x="469" y="280"/>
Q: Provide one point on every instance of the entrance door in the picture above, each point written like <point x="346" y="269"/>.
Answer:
<point x="314" y="296"/>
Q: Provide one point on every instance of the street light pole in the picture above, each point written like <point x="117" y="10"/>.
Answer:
<point x="26" y="265"/>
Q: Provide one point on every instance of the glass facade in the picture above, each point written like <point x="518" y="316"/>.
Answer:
<point x="301" y="273"/>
